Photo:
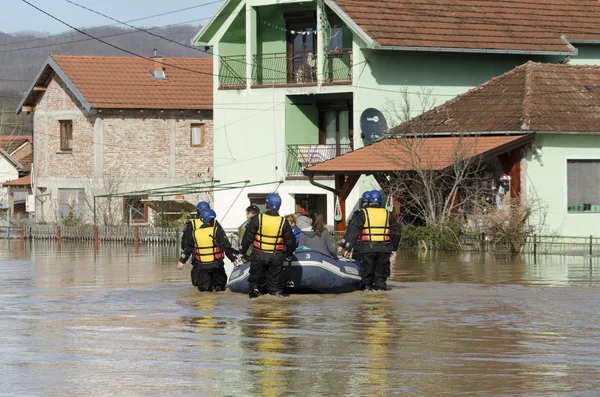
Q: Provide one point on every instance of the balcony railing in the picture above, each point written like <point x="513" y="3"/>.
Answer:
<point x="296" y="68"/>
<point x="232" y="72"/>
<point x="286" y="69"/>
<point x="338" y="66"/>
<point x="301" y="156"/>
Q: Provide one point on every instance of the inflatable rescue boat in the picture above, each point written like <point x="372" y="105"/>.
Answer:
<point x="307" y="272"/>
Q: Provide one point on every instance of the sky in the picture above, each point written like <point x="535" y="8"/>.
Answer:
<point x="17" y="16"/>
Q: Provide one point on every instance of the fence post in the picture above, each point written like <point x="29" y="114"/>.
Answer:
<point x="136" y="234"/>
<point x="591" y="242"/>
<point x="22" y="233"/>
<point x="58" y="233"/>
<point x="482" y="242"/>
<point x="535" y="249"/>
<point x="96" y="237"/>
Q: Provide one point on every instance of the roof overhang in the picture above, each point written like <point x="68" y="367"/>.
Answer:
<point x="170" y="206"/>
<point x="10" y="159"/>
<point x="42" y="79"/>
<point x="207" y="32"/>
<point x="329" y="167"/>
<point x="353" y="26"/>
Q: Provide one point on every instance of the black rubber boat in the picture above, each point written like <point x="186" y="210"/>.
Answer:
<point x="307" y="272"/>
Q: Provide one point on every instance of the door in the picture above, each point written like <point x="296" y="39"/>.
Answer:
<point x="335" y="130"/>
<point x="301" y="48"/>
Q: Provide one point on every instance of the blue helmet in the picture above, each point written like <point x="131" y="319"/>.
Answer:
<point x="375" y="197"/>
<point x="273" y="201"/>
<point x="202" y="205"/>
<point x="207" y="215"/>
<point x="365" y="197"/>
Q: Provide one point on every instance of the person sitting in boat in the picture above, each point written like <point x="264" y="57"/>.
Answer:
<point x="291" y="218"/>
<point x="374" y="234"/>
<point x="207" y="240"/>
<point x="272" y="241"/>
<point x="302" y="220"/>
<point x="317" y="238"/>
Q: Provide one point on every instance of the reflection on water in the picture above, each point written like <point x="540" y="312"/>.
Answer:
<point x="125" y="322"/>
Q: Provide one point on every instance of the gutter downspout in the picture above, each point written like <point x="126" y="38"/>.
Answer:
<point x="317" y="184"/>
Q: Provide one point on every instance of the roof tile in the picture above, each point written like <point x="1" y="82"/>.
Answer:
<point x="126" y="82"/>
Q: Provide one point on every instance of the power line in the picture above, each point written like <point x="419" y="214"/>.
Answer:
<point x="115" y="24"/>
<point x="115" y="46"/>
<point x="161" y="37"/>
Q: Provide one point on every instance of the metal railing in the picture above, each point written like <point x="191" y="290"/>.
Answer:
<point x="338" y="66"/>
<point x="283" y="68"/>
<point x="301" y="156"/>
<point x="232" y="72"/>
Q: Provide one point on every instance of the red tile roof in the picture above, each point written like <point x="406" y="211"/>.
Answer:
<point x="22" y="181"/>
<point x="531" y="97"/>
<point x="435" y="153"/>
<point x="111" y="82"/>
<point x="504" y="25"/>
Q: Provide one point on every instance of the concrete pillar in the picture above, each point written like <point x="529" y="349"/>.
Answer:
<point x="172" y="149"/>
<point x="251" y="47"/>
<point x="320" y="41"/>
<point x="99" y="148"/>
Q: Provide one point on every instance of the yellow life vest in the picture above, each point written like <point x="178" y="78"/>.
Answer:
<point x="207" y="250"/>
<point x="377" y="225"/>
<point x="269" y="237"/>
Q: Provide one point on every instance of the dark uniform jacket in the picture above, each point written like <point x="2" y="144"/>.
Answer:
<point x="354" y="232"/>
<point x="289" y="240"/>
<point x="220" y="240"/>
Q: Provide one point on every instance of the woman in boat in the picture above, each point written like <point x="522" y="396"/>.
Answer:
<point x="317" y="237"/>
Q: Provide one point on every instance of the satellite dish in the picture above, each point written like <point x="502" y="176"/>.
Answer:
<point x="373" y="125"/>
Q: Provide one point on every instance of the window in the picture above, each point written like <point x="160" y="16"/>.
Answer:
<point x="134" y="209"/>
<point x="66" y="135"/>
<point x="335" y="41"/>
<point x="259" y="200"/>
<point x="335" y="128"/>
<point x="583" y="185"/>
<point x="197" y="135"/>
<point x="71" y="204"/>
<point x="301" y="47"/>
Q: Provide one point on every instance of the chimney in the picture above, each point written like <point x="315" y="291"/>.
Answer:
<point x="157" y="69"/>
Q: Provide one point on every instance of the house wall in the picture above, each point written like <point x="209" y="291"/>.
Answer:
<point x="547" y="182"/>
<point x="129" y="148"/>
<point x="254" y="125"/>
<point x="7" y="172"/>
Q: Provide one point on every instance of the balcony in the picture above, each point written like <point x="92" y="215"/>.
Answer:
<point x="232" y="73"/>
<point x="301" y="156"/>
<point x="281" y="69"/>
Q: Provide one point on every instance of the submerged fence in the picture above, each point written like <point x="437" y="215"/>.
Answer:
<point x="536" y="245"/>
<point x="133" y="234"/>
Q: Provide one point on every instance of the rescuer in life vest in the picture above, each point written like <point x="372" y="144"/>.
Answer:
<point x="364" y="203"/>
<point x="206" y="241"/>
<point x="272" y="241"/>
<point x="374" y="234"/>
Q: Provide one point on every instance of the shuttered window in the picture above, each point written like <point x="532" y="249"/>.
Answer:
<point x="583" y="185"/>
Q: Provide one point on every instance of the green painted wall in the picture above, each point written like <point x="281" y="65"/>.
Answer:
<point x="272" y="39"/>
<point x="547" y="181"/>
<point x="301" y="121"/>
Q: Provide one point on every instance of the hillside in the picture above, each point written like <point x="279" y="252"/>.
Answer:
<point x="22" y="55"/>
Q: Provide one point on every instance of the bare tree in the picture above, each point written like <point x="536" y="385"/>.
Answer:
<point x="433" y="183"/>
<point x="109" y="208"/>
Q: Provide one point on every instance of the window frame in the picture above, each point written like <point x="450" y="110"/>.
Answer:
<point x="202" y="134"/>
<point x="63" y="124"/>
<point x="566" y="184"/>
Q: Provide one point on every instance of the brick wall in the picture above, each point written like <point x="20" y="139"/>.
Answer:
<point x="136" y="144"/>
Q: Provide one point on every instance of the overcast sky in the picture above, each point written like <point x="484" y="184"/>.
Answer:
<point x="18" y="16"/>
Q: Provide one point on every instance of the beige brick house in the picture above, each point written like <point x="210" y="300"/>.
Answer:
<point x="108" y="125"/>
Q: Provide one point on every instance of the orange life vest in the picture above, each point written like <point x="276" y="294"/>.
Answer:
<point x="207" y="251"/>
<point x="269" y="237"/>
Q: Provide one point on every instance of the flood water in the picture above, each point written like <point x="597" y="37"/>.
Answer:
<point x="127" y="323"/>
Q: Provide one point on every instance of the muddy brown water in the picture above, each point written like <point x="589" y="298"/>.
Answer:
<point x="122" y="322"/>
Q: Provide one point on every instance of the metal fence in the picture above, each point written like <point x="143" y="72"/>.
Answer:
<point x="104" y="233"/>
